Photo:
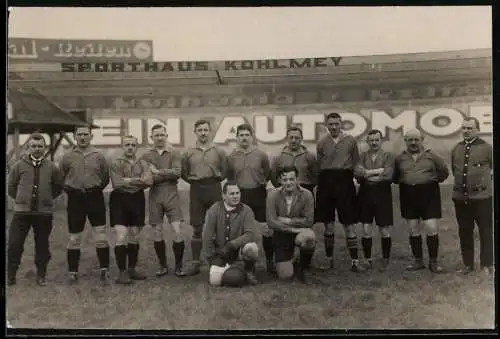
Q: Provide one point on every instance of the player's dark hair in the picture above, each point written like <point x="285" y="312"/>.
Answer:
<point x="202" y="122"/>
<point x="294" y="129"/>
<point x="158" y="126"/>
<point x="244" y="127"/>
<point x="84" y="126"/>
<point x="375" y="131"/>
<point x="333" y="115"/>
<point x="476" y="122"/>
<point x="37" y="137"/>
<point x="227" y="184"/>
<point x="129" y="136"/>
<point x="287" y="169"/>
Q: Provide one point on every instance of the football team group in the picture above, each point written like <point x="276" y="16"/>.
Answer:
<point x="232" y="220"/>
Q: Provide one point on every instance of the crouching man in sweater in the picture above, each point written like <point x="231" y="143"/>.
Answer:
<point x="34" y="182"/>
<point x="290" y="213"/>
<point x="229" y="236"/>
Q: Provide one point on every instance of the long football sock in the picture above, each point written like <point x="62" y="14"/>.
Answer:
<point x="73" y="256"/>
<point x="161" y="252"/>
<point x="416" y="246"/>
<point x="366" y="243"/>
<point x="178" y="249"/>
<point x="433" y="247"/>
<point x="103" y="256"/>
<point x="352" y="245"/>
<point x="121" y="257"/>
<point x="386" y="247"/>
<point x="133" y="255"/>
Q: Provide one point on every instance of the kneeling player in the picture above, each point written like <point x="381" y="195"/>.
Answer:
<point x="290" y="213"/>
<point x="129" y="177"/>
<point x="229" y="237"/>
<point x="250" y="168"/>
<point x="374" y="172"/>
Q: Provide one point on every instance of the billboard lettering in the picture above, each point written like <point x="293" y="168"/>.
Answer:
<point x="270" y="128"/>
<point x="186" y="66"/>
<point x="52" y="50"/>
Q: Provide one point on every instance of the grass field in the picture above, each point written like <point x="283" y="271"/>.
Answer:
<point x="340" y="299"/>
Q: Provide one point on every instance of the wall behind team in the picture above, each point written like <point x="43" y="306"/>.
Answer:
<point x="438" y="119"/>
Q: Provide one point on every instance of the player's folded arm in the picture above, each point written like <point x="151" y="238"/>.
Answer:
<point x="272" y="217"/>
<point x="388" y="172"/>
<point x="117" y="179"/>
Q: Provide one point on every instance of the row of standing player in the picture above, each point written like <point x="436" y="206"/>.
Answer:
<point x="85" y="174"/>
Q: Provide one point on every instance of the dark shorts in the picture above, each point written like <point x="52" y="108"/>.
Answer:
<point x="284" y="246"/>
<point x="336" y="192"/>
<point x="127" y="209"/>
<point x="164" y="200"/>
<point x="83" y="205"/>
<point x="202" y="195"/>
<point x="375" y="202"/>
<point x="421" y="201"/>
<point x="255" y="198"/>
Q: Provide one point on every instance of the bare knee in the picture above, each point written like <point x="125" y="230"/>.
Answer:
<point x="329" y="228"/>
<point x="284" y="270"/>
<point x="157" y="232"/>
<point x="431" y="227"/>
<point x="133" y="235"/>
<point x="349" y="231"/>
<point x="250" y="252"/>
<point x="306" y="239"/>
<point x="414" y="227"/>
<point x="75" y="241"/>
<point x="177" y="227"/>
<point x="384" y="231"/>
<point x="100" y="236"/>
<point x="367" y="231"/>
<point x="121" y="235"/>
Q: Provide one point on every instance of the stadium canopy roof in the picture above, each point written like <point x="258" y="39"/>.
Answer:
<point x="31" y="111"/>
<point x="355" y="71"/>
<point x="36" y="113"/>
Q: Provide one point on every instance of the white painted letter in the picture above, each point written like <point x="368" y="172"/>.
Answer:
<point x="227" y="129"/>
<point x="483" y="113"/>
<point x="108" y="133"/>
<point x="359" y="124"/>
<point x="433" y="125"/>
<point x="135" y="129"/>
<point x="406" y="120"/>
<point x="308" y="123"/>
<point x="278" y="128"/>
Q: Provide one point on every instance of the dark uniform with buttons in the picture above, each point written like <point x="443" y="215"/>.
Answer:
<point x="33" y="184"/>
<point x="472" y="164"/>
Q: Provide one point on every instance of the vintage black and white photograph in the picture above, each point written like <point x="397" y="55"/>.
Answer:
<point x="250" y="168"/>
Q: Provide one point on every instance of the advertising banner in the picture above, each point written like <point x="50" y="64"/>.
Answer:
<point x="61" y="50"/>
<point x="440" y="123"/>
